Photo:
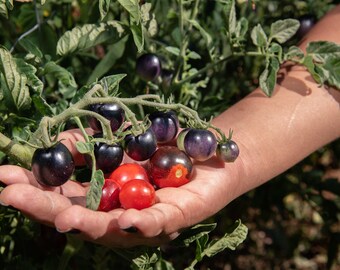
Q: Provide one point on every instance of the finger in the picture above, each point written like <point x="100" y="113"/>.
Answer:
<point x="11" y="174"/>
<point x="101" y="227"/>
<point x="42" y="206"/>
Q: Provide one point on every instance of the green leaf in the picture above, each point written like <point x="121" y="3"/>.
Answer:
<point x="111" y="83"/>
<point x="309" y="64"/>
<point x="206" y="36"/>
<point x="84" y="147"/>
<point x="330" y="71"/>
<point x="88" y="35"/>
<point x="14" y="80"/>
<point x="231" y="13"/>
<point x="114" y="53"/>
<point x="241" y="28"/>
<point x="258" y="36"/>
<point x="269" y="76"/>
<point x="104" y="6"/>
<point x="31" y="47"/>
<point x="173" y="50"/>
<point x="320" y="50"/>
<point x="194" y="233"/>
<point x="229" y="240"/>
<point x="94" y="193"/>
<point x="138" y="37"/>
<point x="201" y="244"/>
<point x="282" y="30"/>
<point x="132" y="6"/>
<point x="293" y="53"/>
<point x="3" y="9"/>
<point x="62" y="74"/>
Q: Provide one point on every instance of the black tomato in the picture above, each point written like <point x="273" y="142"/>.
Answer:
<point x="227" y="151"/>
<point x="170" y="167"/>
<point x="111" y="111"/>
<point x="110" y="196"/>
<point x="164" y="125"/>
<point x="52" y="166"/>
<point x="306" y="23"/>
<point x="108" y="157"/>
<point x="200" y="144"/>
<point x="140" y="147"/>
<point x="148" y="66"/>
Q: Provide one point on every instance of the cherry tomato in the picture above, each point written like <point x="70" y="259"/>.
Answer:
<point x="129" y="171"/>
<point x="164" y="125"/>
<point x="140" y="147"/>
<point x="110" y="111"/>
<point x="52" y="166"/>
<point x="137" y="194"/>
<point x="110" y="196"/>
<point x="170" y="167"/>
<point x="148" y="66"/>
<point x="200" y="144"/>
<point x="227" y="151"/>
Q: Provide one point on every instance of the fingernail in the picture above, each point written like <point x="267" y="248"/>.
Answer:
<point x="71" y="231"/>
<point x="131" y="229"/>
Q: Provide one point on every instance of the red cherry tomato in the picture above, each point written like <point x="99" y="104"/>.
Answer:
<point x="128" y="171"/>
<point x="110" y="196"/>
<point x="137" y="194"/>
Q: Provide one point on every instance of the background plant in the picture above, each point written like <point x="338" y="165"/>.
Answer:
<point x="218" y="51"/>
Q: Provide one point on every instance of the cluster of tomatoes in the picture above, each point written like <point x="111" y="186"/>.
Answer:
<point x="166" y="152"/>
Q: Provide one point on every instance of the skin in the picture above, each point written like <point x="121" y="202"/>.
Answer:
<point x="273" y="134"/>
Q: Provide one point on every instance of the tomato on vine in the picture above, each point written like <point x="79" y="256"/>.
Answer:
<point x="148" y="66"/>
<point x="227" y="151"/>
<point x="52" y="166"/>
<point x="165" y="125"/>
<point x="170" y="167"/>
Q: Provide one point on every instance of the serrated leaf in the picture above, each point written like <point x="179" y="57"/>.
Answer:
<point x="232" y="21"/>
<point x="132" y="6"/>
<point x="269" y="76"/>
<point x="111" y="83"/>
<point x="194" y="233"/>
<point x="320" y="50"/>
<point x="94" y="193"/>
<point x="138" y="36"/>
<point x="104" y="6"/>
<point x="229" y="240"/>
<point x="282" y="30"/>
<point x="89" y="35"/>
<point x="294" y="52"/>
<point x="84" y="147"/>
<point x="329" y="71"/>
<point x="309" y="64"/>
<point x="258" y="36"/>
<point x="62" y="74"/>
<point x="206" y="36"/>
<point x="14" y="81"/>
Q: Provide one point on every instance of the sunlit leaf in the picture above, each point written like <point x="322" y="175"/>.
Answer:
<point x="282" y="30"/>
<point x="94" y="193"/>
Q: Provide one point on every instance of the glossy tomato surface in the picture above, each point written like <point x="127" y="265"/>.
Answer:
<point x="52" y="166"/>
<point x="110" y="196"/>
<point x="140" y="147"/>
<point x="200" y="144"/>
<point x="170" y="167"/>
<point x="137" y="194"/>
<point x="165" y="125"/>
<point x="129" y="171"/>
<point x="148" y="66"/>
<point x="111" y="111"/>
<point x="228" y="151"/>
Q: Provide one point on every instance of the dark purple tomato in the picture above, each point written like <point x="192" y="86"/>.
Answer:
<point x="200" y="144"/>
<point x="108" y="157"/>
<point x="110" y="111"/>
<point x="227" y="151"/>
<point x="306" y="23"/>
<point x="110" y="196"/>
<point x="164" y="125"/>
<point x="140" y="147"/>
<point x="52" y="166"/>
<point x="170" y="167"/>
<point x="148" y="67"/>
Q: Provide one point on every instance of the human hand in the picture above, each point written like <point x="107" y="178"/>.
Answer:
<point x="64" y="207"/>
